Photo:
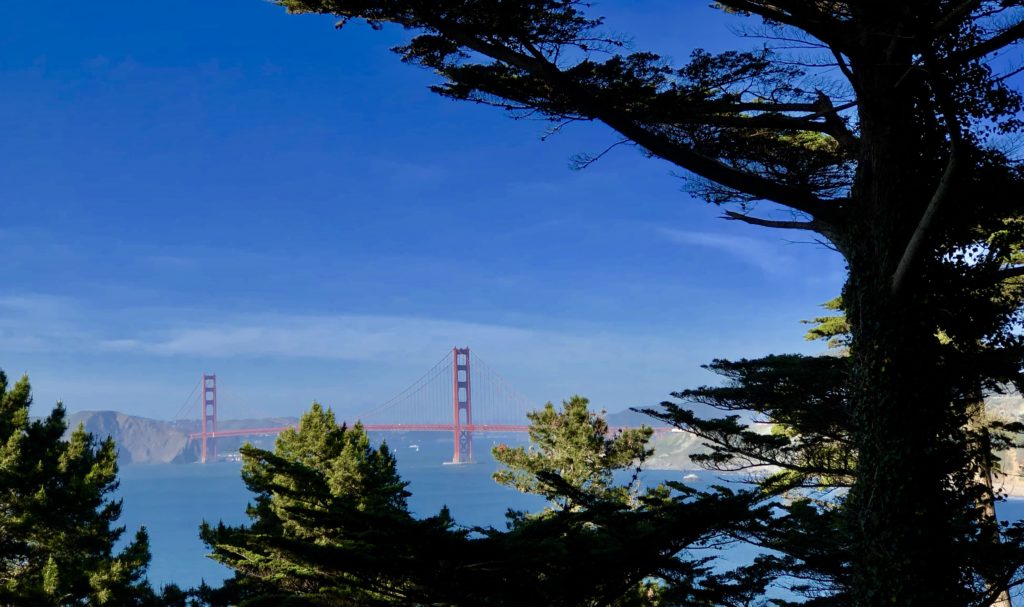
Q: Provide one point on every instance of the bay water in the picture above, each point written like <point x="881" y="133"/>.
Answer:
<point x="171" y="500"/>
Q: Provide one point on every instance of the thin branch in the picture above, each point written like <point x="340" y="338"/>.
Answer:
<point x="953" y="17"/>
<point x="941" y="192"/>
<point x="799" y="14"/>
<point x="1010" y="74"/>
<point x="766" y="106"/>
<point x="1010" y="35"/>
<point x="772" y="223"/>
<point x="917" y="239"/>
<point x="844" y="67"/>
<point x="582" y="161"/>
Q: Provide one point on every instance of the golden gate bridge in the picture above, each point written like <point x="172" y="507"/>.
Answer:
<point x="460" y="387"/>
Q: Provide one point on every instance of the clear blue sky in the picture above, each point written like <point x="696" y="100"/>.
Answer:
<point x="219" y="186"/>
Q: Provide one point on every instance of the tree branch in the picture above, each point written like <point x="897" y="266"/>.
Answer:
<point x="655" y="143"/>
<point x="917" y="239"/>
<point x="771" y="223"/>
<point x="719" y="172"/>
<point x="796" y="13"/>
<point x="1008" y="273"/>
<point x="837" y="128"/>
<point x="949" y="114"/>
<point x="1012" y="34"/>
<point x="953" y="16"/>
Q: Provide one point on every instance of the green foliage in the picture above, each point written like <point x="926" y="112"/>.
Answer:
<point x="801" y="405"/>
<point x="833" y="329"/>
<point x="330" y="527"/>
<point x="318" y="476"/>
<point x="576" y="447"/>
<point x="57" y="517"/>
<point x="894" y="154"/>
<point x="788" y="426"/>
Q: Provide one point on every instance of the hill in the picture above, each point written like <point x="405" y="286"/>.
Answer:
<point x="632" y="419"/>
<point x="141" y="440"/>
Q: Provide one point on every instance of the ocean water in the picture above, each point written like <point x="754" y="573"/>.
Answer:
<point x="171" y="500"/>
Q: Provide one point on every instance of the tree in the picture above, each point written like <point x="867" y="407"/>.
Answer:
<point x="572" y="447"/>
<point x="57" y="515"/>
<point x="317" y="474"/>
<point x="330" y="527"/>
<point x="808" y="456"/>
<point x="891" y="152"/>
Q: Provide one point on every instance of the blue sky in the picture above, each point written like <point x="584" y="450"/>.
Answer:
<point x="217" y="186"/>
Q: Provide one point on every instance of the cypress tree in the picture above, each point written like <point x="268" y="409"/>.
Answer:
<point x="58" y="516"/>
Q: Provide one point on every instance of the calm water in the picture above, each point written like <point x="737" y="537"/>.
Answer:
<point x="171" y="500"/>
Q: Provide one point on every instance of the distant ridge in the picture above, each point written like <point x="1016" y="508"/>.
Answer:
<point x="632" y="419"/>
<point x="141" y="440"/>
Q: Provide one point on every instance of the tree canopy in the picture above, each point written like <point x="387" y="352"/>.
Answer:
<point x="316" y="541"/>
<point x="572" y="447"/>
<point x="885" y="129"/>
<point x="321" y="497"/>
<point x="58" y="516"/>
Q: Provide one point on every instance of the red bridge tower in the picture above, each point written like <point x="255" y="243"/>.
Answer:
<point x="209" y="417"/>
<point x="462" y="401"/>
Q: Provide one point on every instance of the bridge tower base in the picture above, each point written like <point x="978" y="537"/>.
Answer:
<point x="462" y="407"/>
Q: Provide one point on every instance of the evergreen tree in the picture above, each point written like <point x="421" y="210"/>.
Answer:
<point x="317" y="474"/>
<point x="57" y="515"/>
<point x="894" y="155"/>
<point x="330" y="527"/>
<point x="574" y="447"/>
<point x="807" y="456"/>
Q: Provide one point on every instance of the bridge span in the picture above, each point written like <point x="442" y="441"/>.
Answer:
<point x="458" y="387"/>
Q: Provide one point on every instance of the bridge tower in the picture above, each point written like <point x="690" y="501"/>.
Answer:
<point x="462" y="407"/>
<point x="209" y="418"/>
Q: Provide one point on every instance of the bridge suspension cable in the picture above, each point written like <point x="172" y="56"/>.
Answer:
<point x="183" y="409"/>
<point x="426" y="385"/>
<point x="495" y="397"/>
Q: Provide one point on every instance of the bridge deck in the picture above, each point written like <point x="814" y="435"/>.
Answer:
<point x="374" y="427"/>
<point x="389" y="428"/>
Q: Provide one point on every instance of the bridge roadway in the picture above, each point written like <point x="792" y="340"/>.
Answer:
<point x="371" y="428"/>
<point x="394" y="428"/>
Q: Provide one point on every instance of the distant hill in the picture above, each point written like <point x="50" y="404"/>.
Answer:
<point x="672" y="450"/>
<point x="141" y="440"/>
<point x="632" y="419"/>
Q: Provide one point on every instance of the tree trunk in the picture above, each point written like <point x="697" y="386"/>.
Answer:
<point x="987" y="502"/>
<point x="903" y="517"/>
